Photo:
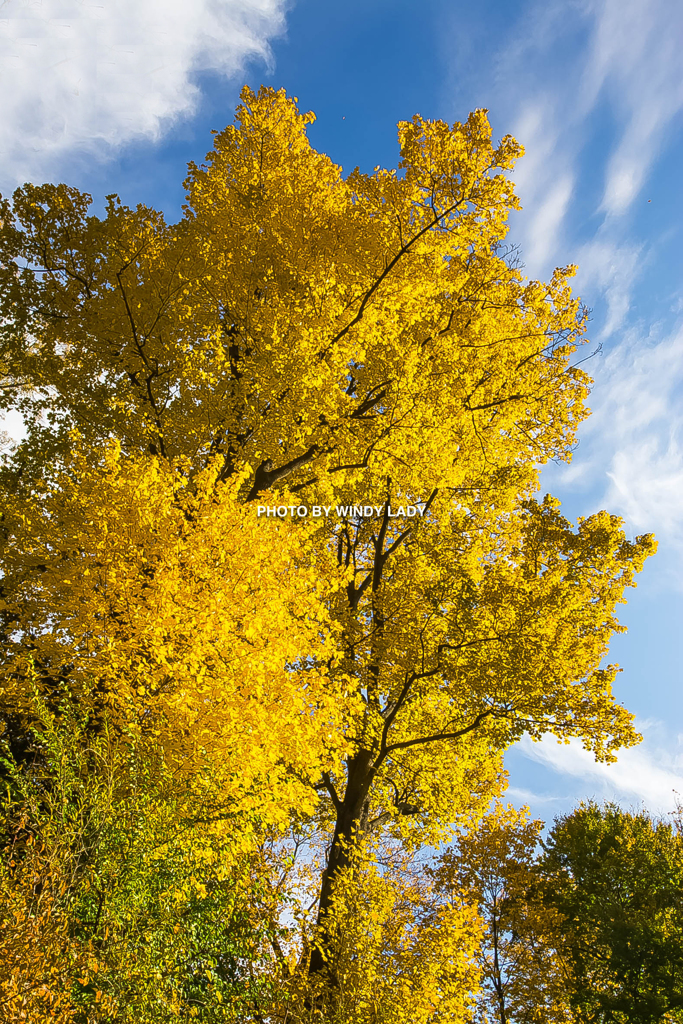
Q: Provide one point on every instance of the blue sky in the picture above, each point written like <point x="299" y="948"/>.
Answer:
<point x="117" y="96"/>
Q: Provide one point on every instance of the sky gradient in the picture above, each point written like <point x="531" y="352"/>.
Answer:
<point x="117" y="96"/>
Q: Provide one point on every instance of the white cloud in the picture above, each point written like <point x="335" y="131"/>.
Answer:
<point x="88" y="76"/>
<point x="613" y="66"/>
<point x="545" y="188"/>
<point x="12" y="428"/>
<point x="521" y="794"/>
<point x="643" y="774"/>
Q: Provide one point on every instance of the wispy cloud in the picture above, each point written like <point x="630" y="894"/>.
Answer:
<point x="89" y="76"/>
<point x="570" y="62"/>
<point x="520" y="794"/>
<point x="634" y="55"/>
<point x="645" y="774"/>
<point x="594" y="90"/>
<point x="609" y="266"/>
<point x="640" y="408"/>
<point x="630" y="459"/>
<point x="545" y="187"/>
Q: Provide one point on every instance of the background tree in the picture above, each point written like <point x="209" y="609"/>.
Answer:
<point x="126" y="894"/>
<point x="617" y="878"/>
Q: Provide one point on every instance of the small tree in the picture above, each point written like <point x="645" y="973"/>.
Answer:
<point x="495" y="864"/>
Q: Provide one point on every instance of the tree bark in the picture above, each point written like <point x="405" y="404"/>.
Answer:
<point x="351" y="820"/>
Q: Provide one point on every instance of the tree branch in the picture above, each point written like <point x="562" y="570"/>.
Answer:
<point x="385" y="273"/>
<point x="266" y="476"/>
<point x="456" y="734"/>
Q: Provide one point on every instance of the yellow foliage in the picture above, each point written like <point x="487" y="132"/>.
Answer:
<point x="462" y="633"/>
<point x="316" y="327"/>
<point x="395" y="952"/>
<point x="523" y="978"/>
<point x="162" y="601"/>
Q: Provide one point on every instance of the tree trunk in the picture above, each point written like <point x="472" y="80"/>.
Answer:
<point x="351" y="820"/>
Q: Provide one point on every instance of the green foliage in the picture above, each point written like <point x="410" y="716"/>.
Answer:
<point x="617" y="878"/>
<point x="584" y="928"/>
<point x="126" y="897"/>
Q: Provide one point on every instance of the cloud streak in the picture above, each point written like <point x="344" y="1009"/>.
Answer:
<point x="630" y="459"/>
<point x="597" y="97"/>
<point x="616" y="59"/>
<point x="90" y="77"/>
<point x="641" y="775"/>
<point x="635" y="55"/>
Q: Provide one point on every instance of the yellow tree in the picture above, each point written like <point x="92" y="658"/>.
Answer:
<point x="312" y="325"/>
<point x="495" y="864"/>
<point x="461" y="634"/>
<point x="365" y="345"/>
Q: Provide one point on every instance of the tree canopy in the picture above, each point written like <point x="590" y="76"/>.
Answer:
<point x="346" y="683"/>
